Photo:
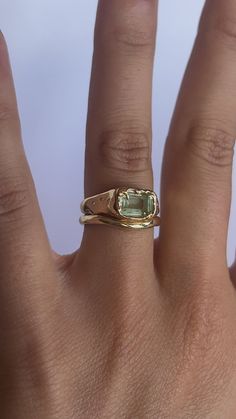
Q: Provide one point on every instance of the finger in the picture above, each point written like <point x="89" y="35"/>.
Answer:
<point x="118" y="151"/>
<point x="196" y="187"/>
<point x="24" y="248"/>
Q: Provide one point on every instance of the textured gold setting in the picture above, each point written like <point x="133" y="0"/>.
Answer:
<point x="123" y="207"/>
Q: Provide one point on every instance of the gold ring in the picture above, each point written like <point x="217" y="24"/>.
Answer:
<point x="123" y="207"/>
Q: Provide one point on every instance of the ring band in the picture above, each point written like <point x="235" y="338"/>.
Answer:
<point x="123" y="207"/>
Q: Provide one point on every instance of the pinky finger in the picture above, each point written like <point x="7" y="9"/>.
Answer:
<point x="24" y="247"/>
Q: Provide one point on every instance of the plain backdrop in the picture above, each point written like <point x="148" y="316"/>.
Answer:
<point x="50" y="43"/>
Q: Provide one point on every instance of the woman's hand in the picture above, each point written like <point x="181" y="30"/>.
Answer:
<point x="127" y="327"/>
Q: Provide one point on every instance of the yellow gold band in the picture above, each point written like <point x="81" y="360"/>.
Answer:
<point x="100" y="219"/>
<point x="123" y="207"/>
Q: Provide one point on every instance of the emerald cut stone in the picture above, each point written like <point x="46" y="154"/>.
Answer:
<point x="136" y="204"/>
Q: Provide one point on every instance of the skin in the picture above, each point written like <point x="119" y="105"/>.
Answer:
<point x="127" y="327"/>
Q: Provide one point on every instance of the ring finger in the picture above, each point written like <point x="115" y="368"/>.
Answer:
<point x="118" y="151"/>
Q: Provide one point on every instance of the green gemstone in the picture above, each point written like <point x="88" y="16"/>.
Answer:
<point x="135" y="204"/>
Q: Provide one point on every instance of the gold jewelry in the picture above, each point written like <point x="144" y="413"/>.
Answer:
<point x="122" y="207"/>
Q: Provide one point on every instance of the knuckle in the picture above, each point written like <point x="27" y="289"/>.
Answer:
<point x="133" y="325"/>
<point x="205" y="344"/>
<point x="15" y="198"/>
<point x="226" y="29"/>
<point x="126" y="151"/>
<point x="212" y="145"/>
<point x="134" y="33"/>
<point x="134" y="38"/>
<point x="32" y="363"/>
<point x="220" y="26"/>
<point x="203" y="328"/>
<point x="199" y="333"/>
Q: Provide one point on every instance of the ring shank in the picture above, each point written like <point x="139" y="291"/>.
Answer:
<point x="101" y="219"/>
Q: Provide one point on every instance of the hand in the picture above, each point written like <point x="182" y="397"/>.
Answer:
<point x="127" y="327"/>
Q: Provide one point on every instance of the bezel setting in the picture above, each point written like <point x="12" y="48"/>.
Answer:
<point x="125" y="194"/>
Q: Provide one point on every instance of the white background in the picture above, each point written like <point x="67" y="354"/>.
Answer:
<point x="50" y="43"/>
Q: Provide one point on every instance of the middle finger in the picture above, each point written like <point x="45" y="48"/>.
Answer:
<point x="199" y="153"/>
